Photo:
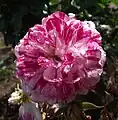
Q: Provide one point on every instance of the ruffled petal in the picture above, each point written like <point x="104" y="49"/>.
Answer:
<point x="29" y="111"/>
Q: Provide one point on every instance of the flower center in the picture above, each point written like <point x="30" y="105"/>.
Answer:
<point x="57" y="60"/>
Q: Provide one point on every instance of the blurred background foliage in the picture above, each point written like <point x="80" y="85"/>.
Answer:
<point x="17" y="16"/>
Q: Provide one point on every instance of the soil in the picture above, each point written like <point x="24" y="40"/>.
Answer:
<point x="7" y="111"/>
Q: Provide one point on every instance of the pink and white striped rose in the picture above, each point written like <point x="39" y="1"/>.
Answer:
<point x="60" y="58"/>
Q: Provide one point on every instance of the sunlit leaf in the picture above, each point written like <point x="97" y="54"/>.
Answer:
<point x="53" y="1"/>
<point x="90" y="106"/>
<point x="87" y="105"/>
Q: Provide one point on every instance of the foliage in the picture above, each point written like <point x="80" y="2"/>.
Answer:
<point x="5" y="73"/>
<point x="6" y="67"/>
<point x="16" y="16"/>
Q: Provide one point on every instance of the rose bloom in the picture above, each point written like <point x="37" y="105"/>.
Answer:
<point x="60" y="58"/>
<point x="29" y="111"/>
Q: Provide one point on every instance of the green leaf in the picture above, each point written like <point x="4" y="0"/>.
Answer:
<point x="53" y="2"/>
<point x="89" y="106"/>
<point x="53" y="7"/>
<point x="101" y="5"/>
<point x="115" y="1"/>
